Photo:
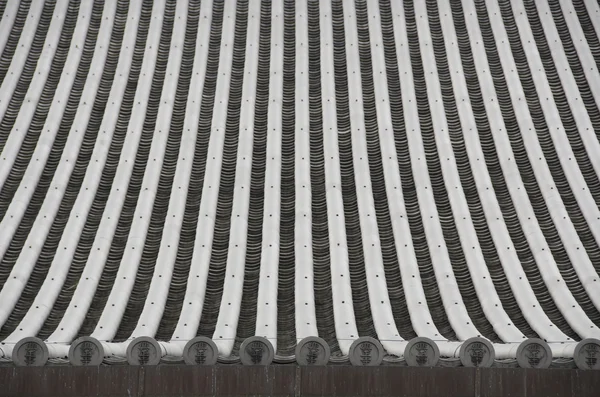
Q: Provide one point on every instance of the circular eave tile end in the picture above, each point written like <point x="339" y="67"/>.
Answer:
<point x="587" y="354"/>
<point x="30" y="352"/>
<point x="366" y="351"/>
<point x="477" y="352"/>
<point x="422" y="352"/>
<point x="201" y="351"/>
<point x="312" y="350"/>
<point x="143" y="350"/>
<point x="86" y="351"/>
<point x="256" y="350"/>
<point x="534" y="353"/>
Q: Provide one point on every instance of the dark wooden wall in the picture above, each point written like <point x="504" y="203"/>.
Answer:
<point x="181" y="380"/>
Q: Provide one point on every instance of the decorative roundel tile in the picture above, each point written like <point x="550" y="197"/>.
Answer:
<point x="312" y="350"/>
<point x="144" y="350"/>
<point x="477" y="352"/>
<point x="422" y="352"/>
<point x="86" y="351"/>
<point x="256" y="350"/>
<point x="200" y="351"/>
<point x="30" y="352"/>
<point x="534" y="353"/>
<point x="366" y="351"/>
<point x="587" y="354"/>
